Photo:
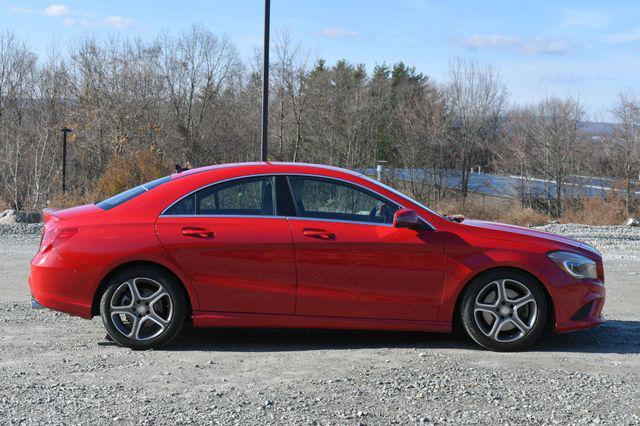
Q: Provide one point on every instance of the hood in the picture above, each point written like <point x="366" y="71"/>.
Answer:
<point x="503" y="231"/>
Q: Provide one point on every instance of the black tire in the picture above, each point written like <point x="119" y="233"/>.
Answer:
<point x="521" y="326"/>
<point x="165" y="314"/>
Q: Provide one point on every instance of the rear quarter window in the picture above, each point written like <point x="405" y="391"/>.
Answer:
<point x="130" y="194"/>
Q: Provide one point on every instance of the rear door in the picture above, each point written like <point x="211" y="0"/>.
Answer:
<point x="237" y="252"/>
<point x="353" y="263"/>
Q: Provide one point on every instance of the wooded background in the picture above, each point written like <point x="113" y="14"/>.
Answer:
<point x="138" y="107"/>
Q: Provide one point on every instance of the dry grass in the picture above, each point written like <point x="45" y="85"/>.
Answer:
<point x="70" y="199"/>
<point x="597" y="211"/>
<point x="588" y="211"/>
<point x="506" y="211"/>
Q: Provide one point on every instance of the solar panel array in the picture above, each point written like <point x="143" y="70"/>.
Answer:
<point x="503" y="185"/>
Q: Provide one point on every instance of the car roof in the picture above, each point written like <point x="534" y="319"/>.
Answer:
<point x="264" y="167"/>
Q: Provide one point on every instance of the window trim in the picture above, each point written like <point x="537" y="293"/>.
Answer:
<point x="343" y="183"/>
<point x="162" y="214"/>
<point x="195" y="201"/>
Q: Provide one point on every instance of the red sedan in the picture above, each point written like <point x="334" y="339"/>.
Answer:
<point x="295" y="245"/>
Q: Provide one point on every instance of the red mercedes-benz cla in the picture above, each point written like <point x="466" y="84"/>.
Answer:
<point x="297" y="245"/>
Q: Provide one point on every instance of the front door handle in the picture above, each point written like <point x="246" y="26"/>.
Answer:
<point x="320" y="234"/>
<point x="195" y="232"/>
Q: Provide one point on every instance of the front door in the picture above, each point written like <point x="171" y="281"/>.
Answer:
<point x="237" y="253"/>
<point x="353" y="263"/>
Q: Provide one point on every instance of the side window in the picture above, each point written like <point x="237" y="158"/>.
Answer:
<point x="329" y="199"/>
<point x="249" y="196"/>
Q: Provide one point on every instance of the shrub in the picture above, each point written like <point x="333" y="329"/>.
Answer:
<point x="597" y="211"/>
<point x="492" y="209"/>
<point x="120" y="174"/>
<point x="123" y="173"/>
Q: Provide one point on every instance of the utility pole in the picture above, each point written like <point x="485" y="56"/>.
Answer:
<point x="265" y="83"/>
<point x="64" y="131"/>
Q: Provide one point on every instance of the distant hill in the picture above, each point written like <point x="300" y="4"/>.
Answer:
<point x="597" y="127"/>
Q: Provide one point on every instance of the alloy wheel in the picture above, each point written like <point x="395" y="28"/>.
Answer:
<point x="141" y="309"/>
<point x="505" y="310"/>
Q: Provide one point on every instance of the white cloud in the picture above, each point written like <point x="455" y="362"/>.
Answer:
<point x="480" y="40"/>
<point x="51" y="10"/>
<point x="548" y="47"/>
<point x="79" y="22"/>
<point x="585" y="19"/>
<point x="77" y="19"/>
<point x="118" y="22"/>
<point x="563" y="79"/>
<point x="337" y="32"/>
<point x="56" y="10"/>
<point x="621" y="38"/>
<point x="534" y="46"/>
<point x="18" y="9"/>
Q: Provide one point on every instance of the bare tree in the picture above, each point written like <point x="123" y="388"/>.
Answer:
<point x="555" y="138"/>
<point x="418" y="133"/>
<point x="196" y="68"/>
<point x="289" y="83"/>
<point x="476" y="96"/>
<point x="17" y="77"/>
<point x="626" y="147"/>
<point x="513" y="152"/>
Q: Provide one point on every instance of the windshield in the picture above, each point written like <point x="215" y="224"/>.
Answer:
<point x="399" y="194"/>
<point x="130" y="194"/>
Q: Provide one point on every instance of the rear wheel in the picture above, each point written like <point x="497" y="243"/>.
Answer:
<point x="143" y="308"/>
<point x="504" y="310"/>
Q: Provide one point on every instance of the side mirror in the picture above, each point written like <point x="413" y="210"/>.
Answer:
<point x="406" y="218"/>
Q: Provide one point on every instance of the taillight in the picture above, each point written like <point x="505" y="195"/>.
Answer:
<point x="600" y="270"/>
<point x="54" y="236"/>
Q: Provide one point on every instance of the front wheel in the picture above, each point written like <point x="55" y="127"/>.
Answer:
<point x="504" y="310"/>
<point x="143" y="308"/>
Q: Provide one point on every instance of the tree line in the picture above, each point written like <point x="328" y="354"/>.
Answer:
<point x="138" y="107"/>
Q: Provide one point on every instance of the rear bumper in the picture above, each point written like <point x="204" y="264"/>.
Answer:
<point x="55" y="286"/>
<point x="35" y="304"/>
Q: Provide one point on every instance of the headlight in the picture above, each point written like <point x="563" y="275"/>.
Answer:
<point x="574" y="264"/>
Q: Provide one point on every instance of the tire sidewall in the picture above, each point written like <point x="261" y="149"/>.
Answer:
<point x="176" y="294"/>
<point x="468" y="301"/>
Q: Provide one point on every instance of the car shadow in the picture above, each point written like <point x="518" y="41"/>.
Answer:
<point x="282" y="340"/>
<point x="614" y="336"/>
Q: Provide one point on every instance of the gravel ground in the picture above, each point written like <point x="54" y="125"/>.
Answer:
<point x="56" y="369"/>
<point x="615" y="242"/>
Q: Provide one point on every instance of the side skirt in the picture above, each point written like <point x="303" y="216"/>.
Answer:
<point x="233" y="319"/>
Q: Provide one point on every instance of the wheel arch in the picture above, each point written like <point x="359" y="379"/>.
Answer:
<point x="95" y="304"/>
<point x="456" y="320"/>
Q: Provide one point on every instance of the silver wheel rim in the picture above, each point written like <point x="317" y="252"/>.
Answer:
<point x="141" y="309"/>
<point x="505" y="310"/>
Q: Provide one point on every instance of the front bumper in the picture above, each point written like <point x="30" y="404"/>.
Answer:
<point x="579" y="306"/>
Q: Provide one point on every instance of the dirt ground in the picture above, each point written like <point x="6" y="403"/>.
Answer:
<point x="57" y="369"/>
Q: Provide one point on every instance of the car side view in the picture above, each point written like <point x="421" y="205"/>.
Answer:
<point x="292" y="245"/>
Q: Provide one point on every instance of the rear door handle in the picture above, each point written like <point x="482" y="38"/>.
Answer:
<point x="195" y="232"/>
<point x="320" y="234"/>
